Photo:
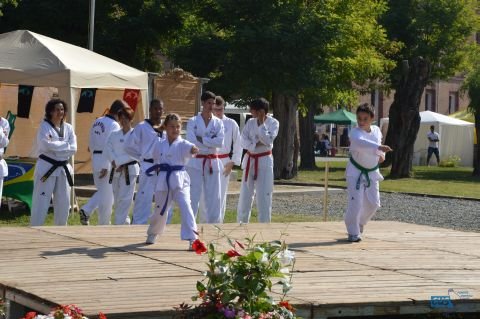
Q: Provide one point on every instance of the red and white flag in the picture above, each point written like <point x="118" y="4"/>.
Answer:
<point x="131" y="96"/>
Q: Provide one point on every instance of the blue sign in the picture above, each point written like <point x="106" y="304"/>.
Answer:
<point x="441" y="302"/>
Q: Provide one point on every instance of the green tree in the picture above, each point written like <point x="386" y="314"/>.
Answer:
<point x="131" y="31"/>
<point x="281" y="50"/>
<point x="472" y="87"/>
<point x="434" y="38"/>
<point x="7" y="2"/>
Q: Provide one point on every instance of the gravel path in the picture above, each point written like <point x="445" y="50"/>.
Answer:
<point x="440" y="212"/>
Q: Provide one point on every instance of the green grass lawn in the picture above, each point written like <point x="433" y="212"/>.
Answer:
<point x="22" y="217"/>
<point x="433" y="180"/>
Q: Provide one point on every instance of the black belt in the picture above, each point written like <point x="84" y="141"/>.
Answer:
<point x="55" y="165"/>
<point x="148" y="160"/>
<point x="97" y="152"/>
<point x="127" y="175"/>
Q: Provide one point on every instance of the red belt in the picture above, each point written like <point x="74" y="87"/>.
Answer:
<point x="208" y="157"/>
<point x="255" y="163"/>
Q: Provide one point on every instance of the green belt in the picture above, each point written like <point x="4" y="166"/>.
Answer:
<point x="363" y="171"/>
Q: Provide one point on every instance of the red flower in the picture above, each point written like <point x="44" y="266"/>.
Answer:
<point x="285" y="304"/>
<point x="101" y="316"/>
<point x="30" y="315"/>
<point x="199" y="247"/>
<point x="233" y="253"/>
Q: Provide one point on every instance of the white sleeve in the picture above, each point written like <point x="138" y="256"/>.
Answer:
<point x="132" y="143"/>
<point x="191" y="137"/>
<point x="245" y="140"/>
<point x="237" y="145"/>
<point x="44" y="140"/>
<point x="358" y="140"/>
<point x="268" y="134"/>
<point x="217" y="139"/>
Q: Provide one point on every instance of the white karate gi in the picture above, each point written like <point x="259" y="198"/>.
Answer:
<point x="4" y="131"/>
<point x="363" y="202"/>
<point x="140" y="144"/>
<point x="103" y="198"/>
<point x="205" y="172"/>
<point x="122" y="193"/>
<point x="49" y="143"/>
<point x="252" y="135"/>
<point x="178" y="189"/>
<point x="231" y="144"/>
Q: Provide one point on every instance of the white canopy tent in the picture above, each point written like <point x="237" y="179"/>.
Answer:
<point x="456" y="137"/>
<point x="29" y="58"/>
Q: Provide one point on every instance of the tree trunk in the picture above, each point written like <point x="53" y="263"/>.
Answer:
<point x="307" y="143"/>
<point x="476" y="163"/>
<point x="285" y="111"/>
<point x="404" y="117"/>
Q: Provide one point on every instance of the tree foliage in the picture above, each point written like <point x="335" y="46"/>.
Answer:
<point x="472" y="87"/>
<point x="433" y="36"/>
<point x="130" y="31"/>
<point x="295" y="48"/>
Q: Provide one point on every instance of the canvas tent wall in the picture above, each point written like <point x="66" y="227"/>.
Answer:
<point x="52" y="67"/>
<point x="456" y="138"/>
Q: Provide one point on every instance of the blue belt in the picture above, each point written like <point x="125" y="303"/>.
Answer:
<point x="164" y="168"/>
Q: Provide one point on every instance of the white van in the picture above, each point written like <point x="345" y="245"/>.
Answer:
<point x="239" y="114"/>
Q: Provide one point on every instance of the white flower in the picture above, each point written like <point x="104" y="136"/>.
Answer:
<point x="287" y="257"/>
<point x="264" y="258"/>
<point x="285" y="270"/>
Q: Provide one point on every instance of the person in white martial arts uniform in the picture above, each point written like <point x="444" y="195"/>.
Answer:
<point x="172" y="183"/>
<point x="125" y="168"/>
<point x="55" y="144"/>
<point x="139" y="144"/>
<point x="257" y="138"/>
<point x="231" y="146"/>
<point x="4" y="132"/>
<point x="103" y="197"/>
<point x="362" y="173"/>
<point x="206" y="131"/>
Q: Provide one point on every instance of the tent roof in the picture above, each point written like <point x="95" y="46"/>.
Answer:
<point x="341" y="116"/>
<point x="432" y="117"/>
<point x="33" y="59"/>
<point x="464" y="115"/>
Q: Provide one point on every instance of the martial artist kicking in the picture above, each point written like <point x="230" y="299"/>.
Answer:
<point x="207" y="133"/>
<point x="103" y="198"/>
<point x="125" y="169"/>
<point x="4" y="132"/>
<point x="257" y="138"/>
<point x="56" y="143"/>
<point x="231" y="145"/>
<point x="172" y="182"/>
<point x="362" y="173"/>
<point x="140" y="145"/>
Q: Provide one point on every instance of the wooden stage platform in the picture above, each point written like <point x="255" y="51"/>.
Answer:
<point x="395" y="270"/>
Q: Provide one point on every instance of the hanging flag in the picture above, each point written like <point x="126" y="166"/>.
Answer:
<point x="25" y="94"/>
<point x="131" y="97"/>
<point x="87" y="100"/>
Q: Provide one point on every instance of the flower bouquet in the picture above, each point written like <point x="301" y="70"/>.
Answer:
<point x="62" y="312"/>
<point x="238" y="282"/>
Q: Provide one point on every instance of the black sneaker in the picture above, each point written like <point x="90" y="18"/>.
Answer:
<point x="84" y="218"/>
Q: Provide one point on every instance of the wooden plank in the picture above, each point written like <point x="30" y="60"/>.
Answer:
<point x="395" y="270"/>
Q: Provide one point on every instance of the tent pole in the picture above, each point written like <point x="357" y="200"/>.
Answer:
<point x="67" y="94"/>
<point x="91" y="28"/>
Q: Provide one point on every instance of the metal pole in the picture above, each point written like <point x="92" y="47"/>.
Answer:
<point x="325" y="194"/>
<point x="91" y="25"/>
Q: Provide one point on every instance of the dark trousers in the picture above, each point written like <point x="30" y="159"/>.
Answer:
<point x="433" y="150"/>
